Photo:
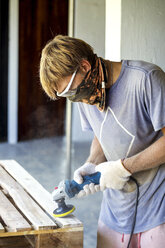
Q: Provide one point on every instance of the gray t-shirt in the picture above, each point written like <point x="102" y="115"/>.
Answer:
<point x="133" y="121"/>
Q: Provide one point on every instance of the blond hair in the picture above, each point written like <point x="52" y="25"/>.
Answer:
<point x="60" y="58"/>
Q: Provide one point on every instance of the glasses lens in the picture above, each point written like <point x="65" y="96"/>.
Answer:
<point x="68" y="86"/>
<point x="69" y="93"/>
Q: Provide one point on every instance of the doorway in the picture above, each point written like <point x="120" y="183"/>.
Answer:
<point x="39" y="21"/>
<point x="4" y="6"/>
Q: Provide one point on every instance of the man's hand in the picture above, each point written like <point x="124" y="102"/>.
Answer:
<point x="113" y="175"/>
<point x="86" y="169"/>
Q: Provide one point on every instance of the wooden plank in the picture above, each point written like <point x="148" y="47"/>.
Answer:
<point x="36" y="190"/>
<point x="1" y="228"/>
<point x="59" y="240"/>
<point x="32" y="240"/>
<point x="25" y="203"/>
<point x="45" y="231"/>
<point x="14" y="242"/>
<point x="12" y="218"/>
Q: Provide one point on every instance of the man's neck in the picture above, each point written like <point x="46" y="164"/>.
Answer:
<point x="113" y="70"/>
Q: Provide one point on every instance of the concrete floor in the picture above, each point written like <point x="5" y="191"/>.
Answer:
<point x="45" y="160"/>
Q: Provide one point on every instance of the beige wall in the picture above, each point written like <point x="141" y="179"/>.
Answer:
<point x="143" y="30"/>
<point x="90" y="23"/>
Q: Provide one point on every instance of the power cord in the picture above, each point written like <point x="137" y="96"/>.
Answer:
<point x="135" y="212"/>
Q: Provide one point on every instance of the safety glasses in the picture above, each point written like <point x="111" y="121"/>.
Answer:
<point x="67" y="92"/>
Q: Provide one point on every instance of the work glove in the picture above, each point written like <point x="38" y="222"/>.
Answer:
<point x="84" y="170"/>
<point x="113" y="175"/>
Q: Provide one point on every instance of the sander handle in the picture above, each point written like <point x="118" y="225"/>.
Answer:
<point x="72" y="187"/>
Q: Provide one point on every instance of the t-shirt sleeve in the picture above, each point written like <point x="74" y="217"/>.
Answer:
<point x="155" y="98"/>
<point x="84" y="121"/>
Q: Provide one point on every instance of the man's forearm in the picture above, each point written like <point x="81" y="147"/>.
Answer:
<point x="151" y="157"/>
<point x="96" y="153"/>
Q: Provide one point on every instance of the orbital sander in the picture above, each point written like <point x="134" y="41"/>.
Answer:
<point x="68" y="189"/>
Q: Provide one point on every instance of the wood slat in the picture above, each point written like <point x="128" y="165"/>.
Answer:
<point x="36" y="190"/>
<point x="14" y="242"/>
<point x="41" y="232"/>
<point x="12" y="218"/>
<point x="57" y="238"/>
<point x="25" y="203"/>
<point x="1" y="228"/>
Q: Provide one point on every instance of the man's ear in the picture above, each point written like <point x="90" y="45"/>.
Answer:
<point x="85" y="66"/>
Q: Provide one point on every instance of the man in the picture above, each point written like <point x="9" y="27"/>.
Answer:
<point x="124" y="105"/>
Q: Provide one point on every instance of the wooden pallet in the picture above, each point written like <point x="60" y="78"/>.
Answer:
<point x="26" y="213"/>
